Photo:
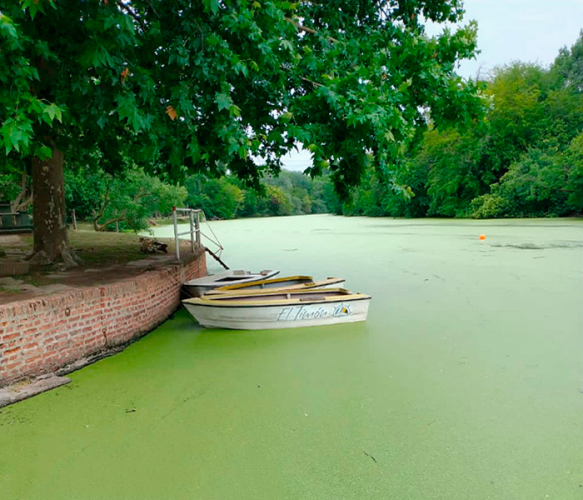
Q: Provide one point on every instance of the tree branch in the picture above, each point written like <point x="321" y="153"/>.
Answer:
<point x="153" y="9"/>
<point x="102" y="227"/>
<point x="308" y="30"/>
<point x="96" y="215"/>
<point x="25" y="204"/>
<point x="315" y="84"/>
<point x="16" y="204"/>
<point x="129" y="10"/>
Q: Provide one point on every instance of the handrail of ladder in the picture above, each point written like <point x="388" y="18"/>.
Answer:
<point x="195" y="233"/>
<point x="194" y="220"/>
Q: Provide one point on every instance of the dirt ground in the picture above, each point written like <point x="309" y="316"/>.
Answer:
<point x="106" y="257"/>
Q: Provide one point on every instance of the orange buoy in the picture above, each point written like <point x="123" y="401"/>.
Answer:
<point x="482" y="236"/>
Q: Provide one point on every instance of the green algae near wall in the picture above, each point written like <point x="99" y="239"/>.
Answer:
<point x="464" y="382"/>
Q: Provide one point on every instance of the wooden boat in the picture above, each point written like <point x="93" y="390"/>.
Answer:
<point x="279" y="309"/>
<point x="284" y="283"/>
<point x="199" y="286"/>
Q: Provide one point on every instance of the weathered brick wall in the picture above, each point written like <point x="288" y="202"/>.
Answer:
<point x="40" y="335"/>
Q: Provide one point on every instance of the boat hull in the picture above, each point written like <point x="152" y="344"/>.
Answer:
<point x="277" y="316"/>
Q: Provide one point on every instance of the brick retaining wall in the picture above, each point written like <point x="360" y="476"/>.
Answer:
<point x="43" y="334"/>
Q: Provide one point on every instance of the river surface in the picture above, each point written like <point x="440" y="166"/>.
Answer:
<point x="465" y="382"/>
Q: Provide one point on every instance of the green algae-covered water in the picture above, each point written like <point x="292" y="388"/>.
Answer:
<point x="465" y="382"/>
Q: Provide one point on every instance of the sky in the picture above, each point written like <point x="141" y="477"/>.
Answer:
<point x="521" y="30"/>
<point x="508" y="30"/>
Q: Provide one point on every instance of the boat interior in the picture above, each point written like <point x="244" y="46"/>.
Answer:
<point x="277" y="283"/>
<point x="303" y="295"/>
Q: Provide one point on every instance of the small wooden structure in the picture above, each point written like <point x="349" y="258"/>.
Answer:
<point x="14" y="222"/>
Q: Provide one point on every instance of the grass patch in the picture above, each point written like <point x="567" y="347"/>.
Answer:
<point x="100" y="249"/>
<point x="103" y="248"/>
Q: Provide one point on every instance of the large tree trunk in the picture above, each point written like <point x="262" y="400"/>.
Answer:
<point x="51" y="243"/>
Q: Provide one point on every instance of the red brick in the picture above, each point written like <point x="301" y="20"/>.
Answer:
<point x="108" y="314"/>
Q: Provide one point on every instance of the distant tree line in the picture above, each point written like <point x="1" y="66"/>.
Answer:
<point x="290" y="193"/>
<point x="525" y="159"/>
<point x="126" y="201"/>
<point x="132" y="199"/>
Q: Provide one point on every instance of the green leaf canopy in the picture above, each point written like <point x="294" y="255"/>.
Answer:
<point x="211" y="85"/>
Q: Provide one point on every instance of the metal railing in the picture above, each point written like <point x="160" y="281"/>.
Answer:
<point x="194" y="231"/>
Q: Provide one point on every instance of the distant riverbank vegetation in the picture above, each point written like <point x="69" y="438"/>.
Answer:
<point x="135" y="199"/>
<point x="525" y="159"/>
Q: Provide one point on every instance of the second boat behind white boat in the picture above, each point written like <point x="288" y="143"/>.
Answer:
<point x="200" y="286"/>
<point x="274" y="284"/>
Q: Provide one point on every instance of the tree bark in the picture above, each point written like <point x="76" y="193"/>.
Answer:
<point x="51" y="242"/>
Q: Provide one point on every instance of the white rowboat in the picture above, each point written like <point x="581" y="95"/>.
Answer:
<point x="284" y="283"/>
<point x="199" y="286"/>
<point x="279" y="309"/>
